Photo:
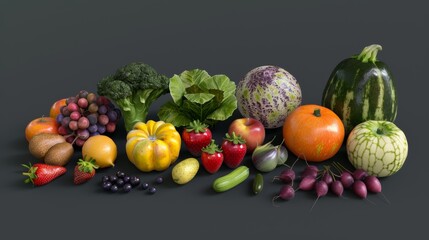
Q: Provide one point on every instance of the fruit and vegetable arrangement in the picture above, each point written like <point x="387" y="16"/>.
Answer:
<point x="357" y="112"/>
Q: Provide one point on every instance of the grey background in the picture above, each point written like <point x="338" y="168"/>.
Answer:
<point x="52" y="49"/>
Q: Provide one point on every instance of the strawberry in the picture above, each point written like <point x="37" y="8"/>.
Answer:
<point x="212" y="157"/>
<point x="196" y="136"/>
<point x="234" y="149"/>
<point x="40" y="174"/>
<point x="84" y="170"/>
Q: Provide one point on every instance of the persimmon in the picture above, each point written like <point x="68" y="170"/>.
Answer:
<point x="56" y="108"/>
<point x="313" y="133"/>
<point x="41" y="125"/>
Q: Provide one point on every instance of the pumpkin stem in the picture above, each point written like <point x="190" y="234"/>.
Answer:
<point x="317" y="112"/>
<point x="369" y="53"/>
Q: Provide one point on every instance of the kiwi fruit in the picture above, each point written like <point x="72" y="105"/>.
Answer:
<point x="41" y="143"/>
<point x="59" y="154"/>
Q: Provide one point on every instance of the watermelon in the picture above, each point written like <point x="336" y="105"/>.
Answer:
<point x="361" y="88"/>
<point x="268" y="94"/>
<point x="378" y="147"/>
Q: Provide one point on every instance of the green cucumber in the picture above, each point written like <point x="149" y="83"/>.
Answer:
<point x="258" y="184"/>
<point x="361" y="88"/>
<point x="231" y="180"/>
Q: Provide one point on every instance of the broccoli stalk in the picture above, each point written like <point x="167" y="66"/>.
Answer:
<point x="133" y="88"/>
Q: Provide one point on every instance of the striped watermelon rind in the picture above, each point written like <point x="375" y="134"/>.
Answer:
<point x="361" y="88"/>
<point x="378" y="147"/>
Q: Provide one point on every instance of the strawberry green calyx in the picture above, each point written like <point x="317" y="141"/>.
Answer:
<point x="235" y="139"/>
<point x="31" y="173"/>
<point x="196" y="126"/>
<point x="87" y="165"/>
<point x="212" y="148"/>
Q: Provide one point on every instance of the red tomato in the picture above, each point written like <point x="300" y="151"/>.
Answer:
<point x="41" y="125"/>
<point x="313" y="133"/>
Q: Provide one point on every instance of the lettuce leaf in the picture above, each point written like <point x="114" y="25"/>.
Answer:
<point x="198" y="96"/>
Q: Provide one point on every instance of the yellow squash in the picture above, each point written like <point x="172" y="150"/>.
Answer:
<point x="153" y="145"/>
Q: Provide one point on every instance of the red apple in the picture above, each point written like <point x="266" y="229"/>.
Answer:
<point x="250" y="129"/>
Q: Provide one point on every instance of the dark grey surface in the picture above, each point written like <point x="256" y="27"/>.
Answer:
<point x="53" y="49"/>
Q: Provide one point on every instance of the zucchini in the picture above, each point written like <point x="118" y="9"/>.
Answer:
<point x="361" y="88"/>
<point x="231" y="180"/>
<point x="258" y="184"/>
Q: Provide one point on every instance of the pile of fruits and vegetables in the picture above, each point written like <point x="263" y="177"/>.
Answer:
<point x="357" y="112"/>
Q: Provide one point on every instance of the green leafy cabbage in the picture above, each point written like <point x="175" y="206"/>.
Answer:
<point x="198" y="96"/>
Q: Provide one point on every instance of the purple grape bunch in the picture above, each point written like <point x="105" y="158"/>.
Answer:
<point x="86" y="115"/>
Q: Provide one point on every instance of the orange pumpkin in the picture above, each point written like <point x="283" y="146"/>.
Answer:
<point x="313" y="133"/>
<point x="41" y="125"/>
<point x="56" y="108"/>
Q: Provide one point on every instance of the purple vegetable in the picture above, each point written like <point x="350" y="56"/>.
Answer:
<point x="267" y="157"/>
<point x="359" y="188"/>
<point x="312" y="168"/>
<point x="347" y="179"/>
<point x="321" y="188"/>
<point x="337" y="188"/>
<point x="255" y="96"/>
<point x="373" y="184"/>
<point x="286" y="193"/>
<point x="327" y="178"/>
<point x="307" y="183"/>
<point x="359" y="174"/>
<point x="310" y="171"/>
<point x="286" y="176"/>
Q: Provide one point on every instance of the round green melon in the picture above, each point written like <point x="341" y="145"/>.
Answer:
<point x="378" y="147"/>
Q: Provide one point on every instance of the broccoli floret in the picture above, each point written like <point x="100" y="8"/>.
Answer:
<point x="134" y="87"/>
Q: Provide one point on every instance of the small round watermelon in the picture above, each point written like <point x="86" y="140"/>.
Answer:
<point x="269" y="94"/>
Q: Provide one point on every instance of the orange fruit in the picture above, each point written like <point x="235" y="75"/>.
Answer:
<point x="41" y="125"/>
<point x="102" y="149"/>
<point x="56" y="107"/>
<point x="313" y="133"/>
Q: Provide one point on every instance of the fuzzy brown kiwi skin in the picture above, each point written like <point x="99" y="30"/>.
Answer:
<point x="41" y="143"/>
<point x="59" y="154"/>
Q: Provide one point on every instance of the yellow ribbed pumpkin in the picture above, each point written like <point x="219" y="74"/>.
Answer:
<point x="153" y="145"/>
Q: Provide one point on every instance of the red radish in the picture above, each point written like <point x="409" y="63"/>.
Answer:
<point x="312" y="168"/>
<point x="286" y="176"/>
<point x="286" y="193"/>
<point x="373" y="184"/>
<point x="307" y="183"/>
<point x="310" y="171"/>
<point x="359" y="174"/>
<point x="337" y="188"/>
<point x="321" y="188"/>
<point x="347" y="179"/>
<point x="327" y="178"/>
<point x="360" y="189"/>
